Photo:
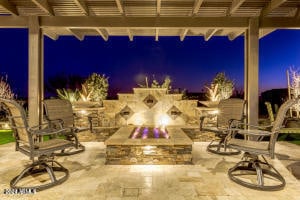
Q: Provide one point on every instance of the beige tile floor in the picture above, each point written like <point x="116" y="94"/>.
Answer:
<point x="206" y="179"/>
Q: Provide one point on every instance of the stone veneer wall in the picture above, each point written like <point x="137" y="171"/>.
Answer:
<point x="159" y="155"/>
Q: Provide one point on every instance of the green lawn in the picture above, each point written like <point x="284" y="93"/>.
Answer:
<point x="293" y="138"/>
<point x="6" y="136"/>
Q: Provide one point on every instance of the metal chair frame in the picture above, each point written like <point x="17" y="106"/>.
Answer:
<point x="258" y="141"/>
<point x="29" y="142"/>
<point x="59" y="113"/>
<point x="230" y="111"/>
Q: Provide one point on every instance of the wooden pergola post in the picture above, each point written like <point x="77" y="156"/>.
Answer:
<point x="35" y="71"/>
<point x="251" y="70"/>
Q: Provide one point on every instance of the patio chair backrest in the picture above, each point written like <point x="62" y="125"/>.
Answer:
<point x="18" y="122"/>
<point x="59" y="109"/>
<point x="277" y="124"/>
<point x="229" y="109"/>
<point x="270" y="111"/>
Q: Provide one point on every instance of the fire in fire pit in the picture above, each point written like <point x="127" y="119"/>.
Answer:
<point x="149" y="132"/>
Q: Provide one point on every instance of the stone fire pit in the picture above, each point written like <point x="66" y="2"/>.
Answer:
<point x="123" y="150"/>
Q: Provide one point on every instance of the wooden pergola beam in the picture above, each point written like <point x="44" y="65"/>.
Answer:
<point x="183" y="34"/>
<point x="273" y="4"/>
<point x="85" y="22"/>
<point x="279" y="22"/>
<point x="9" y="7"/>
<point x="235" y="5"/>
<point x="209" y="34"/>
<point x="120" y="6"/>
<point x="196" y="7"/>
<point x="297" y="15"/>
<point x="13" y="22"/>
<point x="144" y="22"/>
<point x="83" y="7"/>
<point x="43" y="4"/>
<point x="103" y="33"/>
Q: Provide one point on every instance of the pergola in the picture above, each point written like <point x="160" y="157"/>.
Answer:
<point x="104" y="18"/>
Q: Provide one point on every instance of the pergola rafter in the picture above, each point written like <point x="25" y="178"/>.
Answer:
<point x="103" y="33"/>
<point x="43" y="5"/>
<point x="82" y="7"/>
<point x="183" y="34"/>
<point x="209" y="34"/>
<point x="158" y="6"/>
<point x="51" y="34"/>
<point x="233" y="35"/>
<point x="11" y="8"/>
<point x="156" y="34"/>
<point x="120" y="6"/>
<point x="197" y="6"/>
<point x="235" y="5"/>
<point x="73" y="32"/>
<point x="273" y="4"/>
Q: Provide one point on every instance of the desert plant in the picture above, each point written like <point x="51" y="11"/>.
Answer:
<point x="97" y="86"/>
<point x="221" y="87"/>
<point x="5" y="90"/>
<point x="294" y="87"/>
<point x="156" y="84"/>
<point x="85" y="95"/>
<point x="71" y="95"/>
<point x="167" y="83"/>
<point x="212" y="93"/>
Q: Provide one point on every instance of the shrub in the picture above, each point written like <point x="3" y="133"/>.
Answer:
<point x="221" y="88"/>
<point x="5" y="90"/>
<point x="96" y="87"/>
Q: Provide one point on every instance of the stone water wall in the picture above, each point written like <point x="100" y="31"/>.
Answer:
<point x="150" y="106"/>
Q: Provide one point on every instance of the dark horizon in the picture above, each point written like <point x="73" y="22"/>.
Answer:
<point x="191" y="64"/>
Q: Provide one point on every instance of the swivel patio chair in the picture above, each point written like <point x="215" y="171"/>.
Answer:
<point x="59" y="113"/>
<point x="229" y="112"/>
<point x="253" y="172"/>
<point x="44" y="172"/>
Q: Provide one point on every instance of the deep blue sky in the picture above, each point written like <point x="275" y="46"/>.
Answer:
<point x="191" y="64"/>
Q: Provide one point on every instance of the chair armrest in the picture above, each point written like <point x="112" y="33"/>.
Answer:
<point x="236" y="123"/>
<point x="49" y="131"/>
<point x="251" y="132"/>
<point x="56" y="122"/>
<point x="248" y="133"/>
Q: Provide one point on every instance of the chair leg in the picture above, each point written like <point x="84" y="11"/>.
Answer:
<point x="39" y="168"/>
<point x="267" y="177"/>
<point x="218" y="147"/>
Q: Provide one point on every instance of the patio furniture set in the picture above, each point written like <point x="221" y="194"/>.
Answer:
<point x="235" y="136"/>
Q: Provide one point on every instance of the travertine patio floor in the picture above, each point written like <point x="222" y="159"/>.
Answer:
<point x="206" y="179"/>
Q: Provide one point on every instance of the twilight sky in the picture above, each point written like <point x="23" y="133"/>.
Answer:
<point x="191" y="64"/>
